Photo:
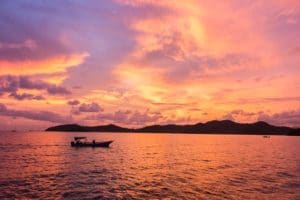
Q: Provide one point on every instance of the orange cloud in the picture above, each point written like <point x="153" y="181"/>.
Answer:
<point x="197" y="30"/>
<point x="46" y="66"/>
<point x="188" y="60"/>
<point x="190" y="50"/>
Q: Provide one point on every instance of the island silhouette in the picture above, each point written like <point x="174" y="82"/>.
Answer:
<point x="211" y="127"/>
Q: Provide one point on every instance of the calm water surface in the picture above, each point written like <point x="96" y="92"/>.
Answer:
<point x="149" y="166"/>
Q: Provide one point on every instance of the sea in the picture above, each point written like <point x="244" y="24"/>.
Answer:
<point x="43" y="165"/>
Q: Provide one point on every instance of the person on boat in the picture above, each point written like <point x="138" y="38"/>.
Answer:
<point x="94" y="142"/>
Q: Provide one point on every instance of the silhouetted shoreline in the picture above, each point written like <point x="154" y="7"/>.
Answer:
<point x="211" y="127"/>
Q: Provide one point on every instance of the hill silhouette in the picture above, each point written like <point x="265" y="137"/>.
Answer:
<point x="294" y="132"/>
<point x="211" y="127"/>
<point x="78" y="128"/>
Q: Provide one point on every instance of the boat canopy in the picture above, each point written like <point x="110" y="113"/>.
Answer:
<point x="79" y="138"/>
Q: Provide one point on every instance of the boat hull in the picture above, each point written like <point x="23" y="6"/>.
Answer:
<point x="91" y="144"/>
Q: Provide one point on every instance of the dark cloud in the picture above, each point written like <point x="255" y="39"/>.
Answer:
<point x="242" y="112"/>
<point x="288" y="118"/>
<point x="116" y="117"/>
<point x="57" y="90"/>
<point x="8" y="84"/>
<point x="34" y="115"/>
<point x="11" y="84"/>
<point x="92" y="107"/>
<point x="27" y="83"/>
<point x="235" y="114"/>
<point x="26" y="96"/>
<point x="73" y="102"/>
<point x="144" y="118"/>
<point x="128" y="117"/>
<point x="38" y="97"/>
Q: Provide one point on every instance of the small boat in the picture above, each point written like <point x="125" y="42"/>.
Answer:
<point x="82" y="142"/>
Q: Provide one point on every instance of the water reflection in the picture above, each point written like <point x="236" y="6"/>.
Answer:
<point x="41" y="165"/>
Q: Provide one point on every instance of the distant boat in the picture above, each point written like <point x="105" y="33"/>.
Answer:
<point x="82" y="142"/>
<point x="266" y="136"/>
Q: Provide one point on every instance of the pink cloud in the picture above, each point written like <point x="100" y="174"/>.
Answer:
<point x="34" y="115"/>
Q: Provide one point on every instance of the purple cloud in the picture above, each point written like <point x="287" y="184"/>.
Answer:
<point x="115" y="117"/>
<point x="11" y="84"/>
<point x="27" y="83"/>
<point x="288" y="118"/>
<point x="34" y="115"/>
<point x="239" y="112"/>
<point x="128" y="117"/>
<point x="93" y="107"/>
<point x="8" y="84"/>
<point x="20" y="36"/>
<point x="73" y="102"/>
<point x="242" y="112"/>
<point x="26" y="96"/>
<point x="57" y="90"/>
<point x="139" y="118"/>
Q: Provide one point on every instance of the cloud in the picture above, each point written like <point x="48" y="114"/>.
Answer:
<point x="242" y="112"/>
<point x="115" y="117"/>
<point x="168" y="56"/>
<point x="26" y="96"/>
<point x="287" y="118"/>
<point x="26" y="49"/>
<point x="187" y="46"/>
<point x="11" y="84"/>
<point x="241" y="116"/>
<point x="27" y="44"/>
<point x="140" y="118"/>
<point x="34" y="115"/>
<point x="57" y="90"/>
<point x="127" y="117"/>
<point x="73" y="102"/>
<point x="92" y="107"/>
<point x="46" y="66"/>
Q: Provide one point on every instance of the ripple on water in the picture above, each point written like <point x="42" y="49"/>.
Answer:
<point x="145" y="167"/>
<point x="285" y="174"/>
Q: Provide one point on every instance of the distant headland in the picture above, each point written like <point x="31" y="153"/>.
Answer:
<point x="211" y="127"/>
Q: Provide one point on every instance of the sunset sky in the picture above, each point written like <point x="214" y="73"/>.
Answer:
<point x="142" y="62"/>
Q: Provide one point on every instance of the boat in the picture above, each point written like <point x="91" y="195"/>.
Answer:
<point x="82" y="142"/>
